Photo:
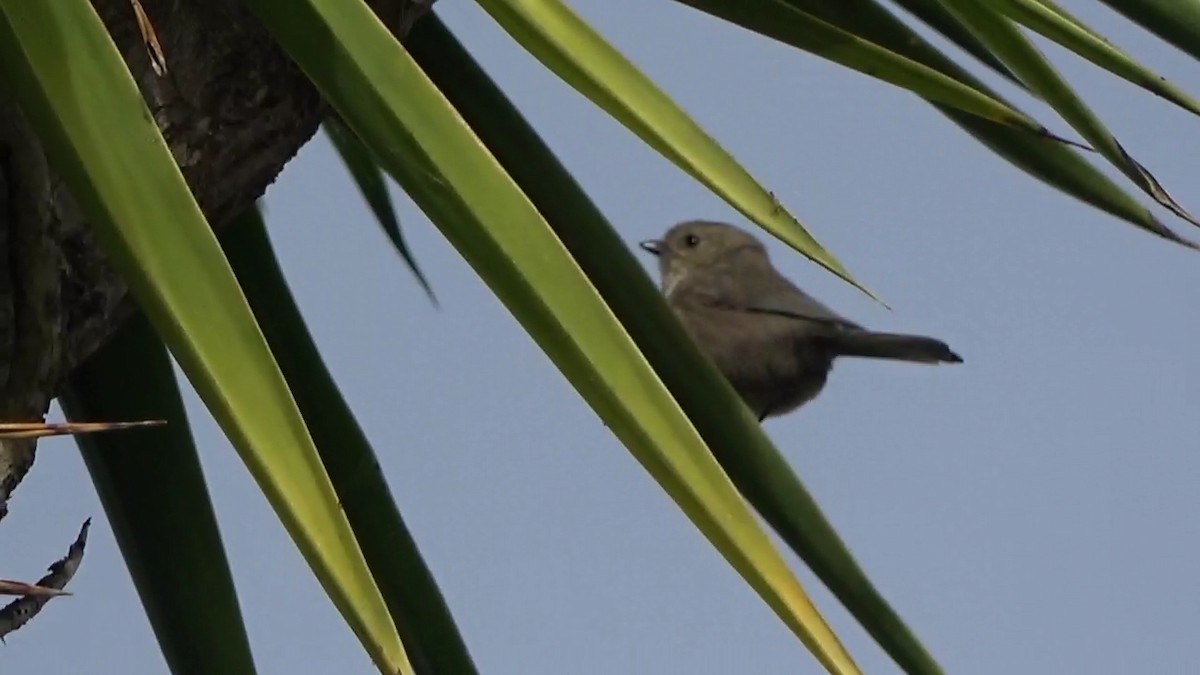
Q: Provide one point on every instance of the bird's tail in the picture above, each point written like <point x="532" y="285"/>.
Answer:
<point x="915" y="348"/>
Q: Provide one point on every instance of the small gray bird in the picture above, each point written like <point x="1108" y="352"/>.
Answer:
<point x="773" y="342"/>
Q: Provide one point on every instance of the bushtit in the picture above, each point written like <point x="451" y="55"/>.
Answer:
<point x="774" y="343"/>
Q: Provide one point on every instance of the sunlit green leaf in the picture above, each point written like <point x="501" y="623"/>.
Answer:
<point x="582" y="58"/>
<point x="103" y="142"/>
<point x="421" y="141"/>
<point x="600" y="252"/>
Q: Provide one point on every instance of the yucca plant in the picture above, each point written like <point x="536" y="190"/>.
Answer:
<point x="139" y="136"/>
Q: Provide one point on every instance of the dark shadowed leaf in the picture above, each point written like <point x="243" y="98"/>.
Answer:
<point x="104" y="144"/>
<point x="791" y="25"/>
<point x="1025" y="60"/>
<point x="372" y="184"/>
<point x="154" y="494"/>
<point x="934" y="15"/>
<point x="422" y="142"/>
<point x="412" y="596"/>
<point x="1056" y="24"/>
<point x="736" y="438"/>
<point x="1054" y="163"/>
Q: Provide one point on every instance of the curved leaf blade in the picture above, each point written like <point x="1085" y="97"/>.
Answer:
<point x="1056" y="24"/>
<point x="371" y="184"/>
<point x="60" y="572"/>
<point x="788" y="23"/>
<point x="932" y="14"/>
<point x="1053" y="163"/>
<point x="154" y="494"/>
<point x="1006" y="40"/>
<point x="619" y="278"/>
<point x="421" y="141"/>
<point x="566" y="45"/>
<point x="104" y="143"/>
<point x="430" y="636"/>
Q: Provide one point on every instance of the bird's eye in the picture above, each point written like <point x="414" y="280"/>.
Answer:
<point x="691" y="241"/>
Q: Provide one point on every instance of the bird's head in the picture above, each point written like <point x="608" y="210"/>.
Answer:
<point x="697" y="246"/>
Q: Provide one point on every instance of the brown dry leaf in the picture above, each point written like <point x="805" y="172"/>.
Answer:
<point x="158" y="60"/>
<point x="10" y="587"/>
<point x="10" y="430"/>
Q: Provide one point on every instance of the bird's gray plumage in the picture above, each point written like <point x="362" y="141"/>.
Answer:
<point x="774" y="343"/>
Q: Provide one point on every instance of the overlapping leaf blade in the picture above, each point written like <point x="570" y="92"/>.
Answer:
<point x="412" y="596"/>
<point x="934" y="15"/>
<point x="154" y="494"/>
<point x="1048" y="161"/>
<point x="419" y="139"/>
<point x="373" y="185"/>
<point x="59" y="62"/>
<point x="788" y="23"/>
<point x="738" y="441"/>
<point x="582" y="58"/>
<point x="1056" y="24"/>
<point x="1027" y="62"/>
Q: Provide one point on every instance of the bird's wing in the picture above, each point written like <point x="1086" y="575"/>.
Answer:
<point x="776" y="295"/>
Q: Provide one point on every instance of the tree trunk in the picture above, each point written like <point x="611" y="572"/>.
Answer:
<point x="232" y="108"/>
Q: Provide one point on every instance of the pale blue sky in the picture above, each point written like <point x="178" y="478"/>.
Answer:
<point x="1033" y="510"/>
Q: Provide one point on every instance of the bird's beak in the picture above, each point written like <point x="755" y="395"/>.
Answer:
<point x="652" y="246"/>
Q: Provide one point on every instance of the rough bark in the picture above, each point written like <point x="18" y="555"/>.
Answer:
<point x="233" y="110"/>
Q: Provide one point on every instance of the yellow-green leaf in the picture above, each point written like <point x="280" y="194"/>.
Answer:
<point x="422" y="142"/>
<point x="562" y="41"/>
<point x="737" y="442"/>
<point x="103" y="142"/>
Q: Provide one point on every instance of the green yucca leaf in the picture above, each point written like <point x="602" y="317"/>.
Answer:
<point x="154" y="494"/>
<point x="1006" y="40"/>
<point x="103" y="142"/>
<point x="422" y="142"/>
<point x="562" y="41"/>
<point x="1056" y="24"/>
<point x="372" y="184"/>
<point x="738" y="442"/>
<point x="430" y="636"/>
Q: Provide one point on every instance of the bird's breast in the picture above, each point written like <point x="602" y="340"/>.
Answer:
<point x="772" y="361"/>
